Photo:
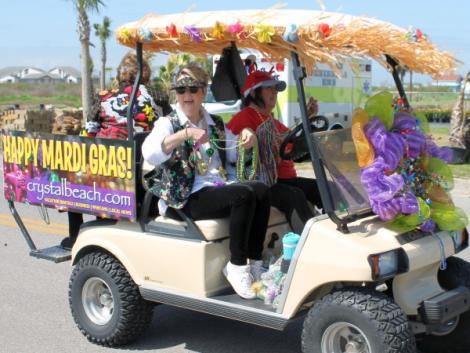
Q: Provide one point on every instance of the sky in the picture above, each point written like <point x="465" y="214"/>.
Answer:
<point x="43" y="34"/>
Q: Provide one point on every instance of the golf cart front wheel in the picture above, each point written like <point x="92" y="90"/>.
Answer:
<point x="105" y="302"/>
<point x="357" y="320"/>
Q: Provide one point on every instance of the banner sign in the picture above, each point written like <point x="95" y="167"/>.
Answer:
<point x="87" y="175"/>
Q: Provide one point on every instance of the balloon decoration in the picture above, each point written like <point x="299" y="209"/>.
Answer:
<point x="405" y="174"/>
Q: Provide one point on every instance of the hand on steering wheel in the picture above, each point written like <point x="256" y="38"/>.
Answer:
<point x="296" y="139"/>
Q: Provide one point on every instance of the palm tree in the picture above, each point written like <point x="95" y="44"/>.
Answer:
<point x="103" y="32"/>
<point x="82" y="7"/>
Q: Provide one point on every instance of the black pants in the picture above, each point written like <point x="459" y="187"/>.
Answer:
<point x="291" y="195"/>
<point x="75" y="221"/>
<point x="248" y="205"/>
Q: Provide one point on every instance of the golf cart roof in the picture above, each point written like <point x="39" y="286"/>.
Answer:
<point x="317" y="37"/>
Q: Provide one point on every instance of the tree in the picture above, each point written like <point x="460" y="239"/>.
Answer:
<point x="103" y="32"/>
<point x="82" y="7"/>
<point x="457" y="119"/>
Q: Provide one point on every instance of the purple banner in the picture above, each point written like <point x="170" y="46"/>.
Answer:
<point x="87" y="199"/>
<point x="94" y="176"/>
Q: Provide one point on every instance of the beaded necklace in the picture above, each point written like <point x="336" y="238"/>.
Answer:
<point x="196" y="156"/>
<point x="241" y="162"/>
<point x="268" y="139"/>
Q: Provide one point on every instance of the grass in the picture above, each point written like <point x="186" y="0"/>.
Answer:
<point x="440" y="134"/>
<point x="434" y="99"/>
<point x="67" y="101"/>
<point x="460" y="171"/>
<point x="28" y="94"/>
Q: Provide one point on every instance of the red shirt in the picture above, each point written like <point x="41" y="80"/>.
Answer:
<point x="250" y="118"/>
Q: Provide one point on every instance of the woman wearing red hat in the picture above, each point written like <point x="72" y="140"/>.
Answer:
<point x="289" y="192"/>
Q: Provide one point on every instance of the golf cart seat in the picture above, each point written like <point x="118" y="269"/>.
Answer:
<point x="210" y="229"/>
<point x="218" y="228"/>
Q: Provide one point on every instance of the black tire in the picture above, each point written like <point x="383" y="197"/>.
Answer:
<point x="458" y="341"/>
<point x="129" y="316"/>
<point x="372" y="315"/>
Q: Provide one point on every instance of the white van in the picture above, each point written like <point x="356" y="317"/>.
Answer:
<point x="337" y="96"/>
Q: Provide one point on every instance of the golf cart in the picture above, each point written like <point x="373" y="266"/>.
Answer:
<point x="362" y="286"/>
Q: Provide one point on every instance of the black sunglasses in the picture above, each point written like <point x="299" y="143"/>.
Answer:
<point x="183" y="89"/>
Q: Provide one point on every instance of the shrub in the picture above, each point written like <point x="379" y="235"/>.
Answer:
<point x="438" y="115"/>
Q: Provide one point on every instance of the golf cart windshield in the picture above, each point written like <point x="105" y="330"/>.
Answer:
<point x="342" y="171"/>
<point x="315" y="37"/>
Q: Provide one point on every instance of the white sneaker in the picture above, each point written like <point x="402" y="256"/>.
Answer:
<point x="241" y="280"/>
<point x="257" y="269"/>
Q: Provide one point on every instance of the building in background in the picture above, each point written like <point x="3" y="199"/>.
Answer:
<point x="29" y="74"/>
<point x="66" y="73"/>
<point x="452" y="81"/>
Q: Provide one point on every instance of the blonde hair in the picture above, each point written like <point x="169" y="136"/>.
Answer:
<point x="127" y="69"/>
<point x="195" y="72"/>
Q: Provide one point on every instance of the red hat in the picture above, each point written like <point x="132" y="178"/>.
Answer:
<point x="261" y="79"/>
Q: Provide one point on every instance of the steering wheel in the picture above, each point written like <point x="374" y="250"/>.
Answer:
<point x="296" y="139"/>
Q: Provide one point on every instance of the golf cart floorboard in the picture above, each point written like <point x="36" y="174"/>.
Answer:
<point x="54" y="253"/>
<point x="228" y="305"/>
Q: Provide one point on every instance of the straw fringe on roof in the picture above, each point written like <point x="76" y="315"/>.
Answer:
<point x="321" y="37"/>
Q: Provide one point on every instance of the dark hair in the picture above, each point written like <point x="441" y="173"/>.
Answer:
<point x="256" y="99"/>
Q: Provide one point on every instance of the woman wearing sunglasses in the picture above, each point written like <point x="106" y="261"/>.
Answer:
<point x="289" y="192"/>
<point x="192" y="152"/>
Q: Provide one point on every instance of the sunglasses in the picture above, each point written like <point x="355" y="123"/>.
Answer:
<point x="183" y="89"/>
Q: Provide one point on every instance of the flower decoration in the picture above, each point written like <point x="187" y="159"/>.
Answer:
<point x="124" y="35"/>
<point x="145" y="34"/>
<point x="172" y="31"/>
<point x="404" y="173"/>
<point x="218" y="30"/>
<point x="264" y="32"/>
<point x="418" y="35"/>
<point x="235" y="28"/>
<point x="324" y="29"/>
<point x="238" y="30"/>
<point x="290" y="34"/>
<point x="415" y="35"/>
<point x="193" y="33"/>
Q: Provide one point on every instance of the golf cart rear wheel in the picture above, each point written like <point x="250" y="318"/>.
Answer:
<point x="455" y="275"/>
<point x="105" y="302"/>
<point x="357" y="320"/>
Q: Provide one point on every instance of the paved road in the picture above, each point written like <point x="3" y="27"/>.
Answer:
<point x="35" y="317"/>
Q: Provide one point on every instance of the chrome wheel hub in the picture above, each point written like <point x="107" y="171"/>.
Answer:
<point x="97" y="301"/>
<point x="343" y="337"/>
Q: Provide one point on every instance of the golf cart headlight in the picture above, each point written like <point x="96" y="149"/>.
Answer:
<point x="388" y="264"/>
<point x="460" y="239"/>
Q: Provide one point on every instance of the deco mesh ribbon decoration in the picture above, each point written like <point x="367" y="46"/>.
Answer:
<point x="403" y="171"/>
